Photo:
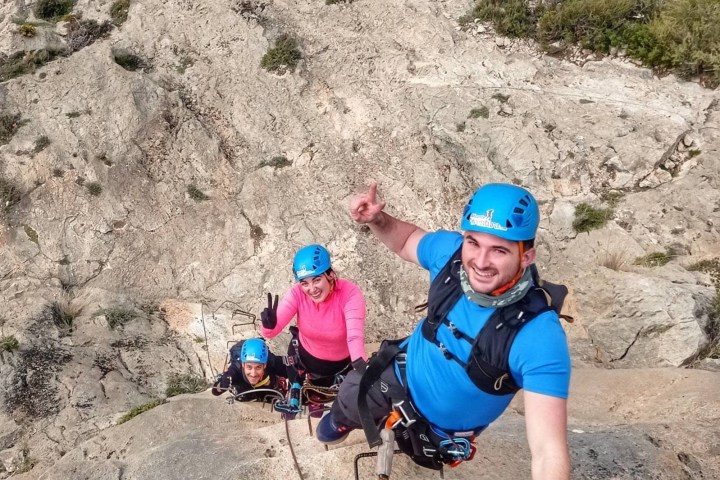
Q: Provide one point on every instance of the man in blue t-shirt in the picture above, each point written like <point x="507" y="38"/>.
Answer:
<point x="499" y="226"/>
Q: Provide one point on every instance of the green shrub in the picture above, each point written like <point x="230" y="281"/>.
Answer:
<point x="21" y="63"/>
<point x="65" y="310"/>
<point x="512" y="18"/>
<point x="654" y="259"/>
<point x="53" y="9"/>
<point x="9" y="124"/>
<point x="135" y="411"/>
<point x="196" y="194"/>
<point x="94" y="188"/>
<point x="711" y="267"/>
<point x="27" y="30"/>
<point x="278" y="161"/>
<point x="9" y="343"/>
<point x="460" y="127"/>
<point x="41" y="143"/>
<point x="500" y="97"/>
<point x="481" y="112"/>
<point x="117" y="316"/>
<point x="671" y="35"/>
<point x="82" y="33"/>
<point x="687" y="35"/>
<point x="32" y="234"/>
<point x="9" y="194"/>
<point x="119" y="11"/>
<point x="612" y="197"/>
<point x="283" y="56"/>
<point x="588" y="218"/>
<point x="73" y="114"/>
<point x="179" y="384"/>
<point x="129" y="61"/>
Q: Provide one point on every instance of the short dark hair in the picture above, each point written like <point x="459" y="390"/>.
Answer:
<point x="528" y="244"/>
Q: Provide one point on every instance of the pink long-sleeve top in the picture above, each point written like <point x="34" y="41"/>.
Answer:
<point x="331" y="330"/>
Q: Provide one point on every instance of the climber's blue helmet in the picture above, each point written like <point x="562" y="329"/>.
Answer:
<point x="311" y="261"/>
<point x="504" y="210"/>
<point x="254" y="350"/>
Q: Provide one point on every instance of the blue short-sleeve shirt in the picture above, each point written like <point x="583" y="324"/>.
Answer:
<point x="441" y="389"/>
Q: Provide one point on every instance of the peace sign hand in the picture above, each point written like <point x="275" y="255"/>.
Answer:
<point x="269" y="315"/>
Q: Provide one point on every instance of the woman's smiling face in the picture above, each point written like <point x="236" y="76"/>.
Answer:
<point x="317" y="288"/>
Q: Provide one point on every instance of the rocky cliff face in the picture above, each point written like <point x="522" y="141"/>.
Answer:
<point x="156" y="168"/>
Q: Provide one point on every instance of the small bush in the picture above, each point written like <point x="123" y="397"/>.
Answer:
<point x="512" y="18"/>
<point x="117" y="316"/>
<point x="654" y="259"/>
<point x="694" y="152"/>
<point x="9" y="124"/>
<point x="196" y="194"/>
<point x="22" y="63"/>
<point x="32" y="234"/>
<point x="460" y="127"/>
<point x="278" y="161"/>
<point x="481" y="112"/>
<point x="129" y="61"/>
<point x="135" y="411"/>
<point x="94" y="188"/>
<point x="9" y="344"/>
<point x="283" y="56"/>
<point x="53" y="9"/>
<point x="183" y="64"/>
<point x="612" y="197"/>
<point x="500" y="97"/>
<point x="65" y="310"/>
<point x="27" y="30"/>
<point x="119" y="11"/>
<point x="588" y="218"/>
<point x="82" y="33"/>
<point x="73" y="114"/>
<point x="9" y="194"/>
<point x="179" y="384"/>
<point x="711" y="267"/>
<point x="614" y="260"/>
<point x="41" y="143"/>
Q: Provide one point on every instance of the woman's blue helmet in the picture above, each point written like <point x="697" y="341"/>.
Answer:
<point x="504" y="210"/>
<point x="254" y="350"/>
<point x="311" y="261"/>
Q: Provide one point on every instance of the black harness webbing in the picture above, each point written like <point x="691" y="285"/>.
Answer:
<point x="377" y="364"/>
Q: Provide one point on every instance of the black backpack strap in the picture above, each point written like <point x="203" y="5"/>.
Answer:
<point x="555" y="293"/>
<point x="444" y="293"/>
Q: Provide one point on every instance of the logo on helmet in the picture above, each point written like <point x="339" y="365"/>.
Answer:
<point x="303" y="271"/>
<point x="485" y="221"/>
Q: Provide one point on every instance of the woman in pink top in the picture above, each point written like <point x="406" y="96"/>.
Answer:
<point x="330" y="314"/>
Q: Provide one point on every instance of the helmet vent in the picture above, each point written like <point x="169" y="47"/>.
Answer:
<point x="519" y="210"/>
<point x="524" y="202"/>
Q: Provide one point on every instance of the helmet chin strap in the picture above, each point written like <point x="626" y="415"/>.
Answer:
<point x="500" y="290"/>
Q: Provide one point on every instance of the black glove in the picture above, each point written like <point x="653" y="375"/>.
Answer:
<point x="359" y="365"/>
<point x="269" y="315"/>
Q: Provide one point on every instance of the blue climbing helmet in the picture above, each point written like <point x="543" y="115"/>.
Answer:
<point x="504" y="210"/>
<point x="311" y="261"/>
<point x="254" y="350"/>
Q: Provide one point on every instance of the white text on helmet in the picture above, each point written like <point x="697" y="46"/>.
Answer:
<point x="485" y="221"/>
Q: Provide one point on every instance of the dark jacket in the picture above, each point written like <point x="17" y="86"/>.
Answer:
<point x="275" y="378"/>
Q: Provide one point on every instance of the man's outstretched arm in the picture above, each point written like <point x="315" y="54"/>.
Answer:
<point x="546" y="423"/>
<point x="402" y="238"/>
